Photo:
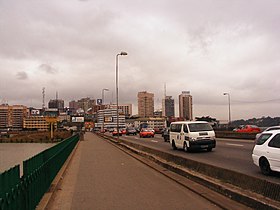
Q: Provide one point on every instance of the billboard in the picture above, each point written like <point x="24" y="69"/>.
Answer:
<point x="78" y="119"/>
<point x="99" y="101"/>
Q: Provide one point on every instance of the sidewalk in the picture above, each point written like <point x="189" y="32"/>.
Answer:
<point x="100" y="176"/>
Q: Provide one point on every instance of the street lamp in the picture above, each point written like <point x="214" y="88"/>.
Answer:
<point x="117" y="89"/>
<point x="104" y="89"/>
<point x="229" y="118"/>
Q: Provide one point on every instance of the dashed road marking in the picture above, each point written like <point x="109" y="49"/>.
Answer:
<point x="154" y="141"/>
<point x="236" y="145"/>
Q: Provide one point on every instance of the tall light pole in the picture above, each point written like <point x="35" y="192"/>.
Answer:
<point x="117" y="89"/>
<point x="229" y="117"/>
<point x="104" y="89"/>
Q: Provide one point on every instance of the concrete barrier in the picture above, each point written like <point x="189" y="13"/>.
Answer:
<point x="235" y="135"/>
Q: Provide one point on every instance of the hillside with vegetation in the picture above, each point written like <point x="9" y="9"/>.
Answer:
<point x="261" y="122"/>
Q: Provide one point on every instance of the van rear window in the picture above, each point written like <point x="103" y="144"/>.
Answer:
<point x="197" y="127"/>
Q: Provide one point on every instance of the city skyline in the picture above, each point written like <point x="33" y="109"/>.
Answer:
<point x="208" y="48"/>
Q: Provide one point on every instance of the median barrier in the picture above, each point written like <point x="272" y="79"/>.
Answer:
<point x="251" y="191"/>
<point x="235" y="135"/>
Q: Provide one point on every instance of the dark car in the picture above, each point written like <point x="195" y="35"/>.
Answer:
<point x="165" y="134"/>
<point x="131" y="131"/>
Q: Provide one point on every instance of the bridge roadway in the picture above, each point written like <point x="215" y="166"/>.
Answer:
<point x="233" y="154"/>
<point x="100" y="176"/>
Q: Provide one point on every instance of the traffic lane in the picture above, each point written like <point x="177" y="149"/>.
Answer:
<point x="111" y="179"/>
<point x="226" y="155"/>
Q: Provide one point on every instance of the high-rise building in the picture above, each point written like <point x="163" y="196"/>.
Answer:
<point x="185" y="105"/>
<point x="168" y="106"/>
<point x="56" y="104"/>
<point x="12" y="116"/>
<point x="145" y="104"/>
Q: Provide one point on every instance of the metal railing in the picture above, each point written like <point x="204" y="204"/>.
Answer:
<point x="38" y="173"/>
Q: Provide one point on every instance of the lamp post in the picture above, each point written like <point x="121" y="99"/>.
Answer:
<point x="229" y="117"/>
<point x="117" y="89"/>
<point x="104" y="89"/>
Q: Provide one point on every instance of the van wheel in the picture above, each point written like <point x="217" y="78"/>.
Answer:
<point x="185" y="147"/>
<point x="209" y="149"/>
<point x="264" y="166"/>
<point x="174" y="145"/>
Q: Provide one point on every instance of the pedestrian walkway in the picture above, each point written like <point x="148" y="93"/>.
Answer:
<point x="100" y="176"/>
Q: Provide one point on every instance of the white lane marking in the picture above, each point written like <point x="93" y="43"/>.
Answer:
<point x="154" y="141"/>
<point x="237" y="145"/>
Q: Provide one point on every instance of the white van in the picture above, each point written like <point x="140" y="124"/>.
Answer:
<point x="190" y="135"/>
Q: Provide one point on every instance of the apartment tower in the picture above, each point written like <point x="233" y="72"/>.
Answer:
<point x="145" y="104"/>
<point x="168" y="106"/>
<point x="185" y="105"/>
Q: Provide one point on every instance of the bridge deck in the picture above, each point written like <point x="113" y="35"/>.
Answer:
<point x="100" y="176"/>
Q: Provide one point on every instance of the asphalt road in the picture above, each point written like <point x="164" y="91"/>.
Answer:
<point x="231" y="154"/>
<point x="103" y="177"/>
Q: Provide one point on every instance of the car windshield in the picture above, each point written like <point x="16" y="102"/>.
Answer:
<point x="263" y="138"/>
<point x="196" y="127"/>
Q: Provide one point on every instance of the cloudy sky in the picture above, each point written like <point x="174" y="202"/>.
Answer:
<point x="206" y="47"/>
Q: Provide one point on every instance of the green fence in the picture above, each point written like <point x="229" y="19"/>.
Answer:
<point x="25" y="192"/>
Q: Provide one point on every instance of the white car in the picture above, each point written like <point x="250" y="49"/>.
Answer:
<point x="266" y="153"/>
<point x="268" y="129"/>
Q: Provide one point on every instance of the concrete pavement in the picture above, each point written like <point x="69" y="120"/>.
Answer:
<point x="100" y="176"/>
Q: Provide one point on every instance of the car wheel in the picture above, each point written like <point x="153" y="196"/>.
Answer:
<point x="174" y="145"/>
<point x="185" y="147"/>
<point x="264" y="166"/>
<point x="209" y="149"/>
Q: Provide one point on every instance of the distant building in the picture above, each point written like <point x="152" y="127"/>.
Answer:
<point x="158" y="113"/>
<point x="124" y="109"/>
<point x="11" y="117"/>
<point x="56" y="104"/>
<point x="156" y="123"/>
<point x="36" y="123"/>
<point x="185" y="105"/>
<point x="73" y="106"/>
<point x="108" y="119"/>
<point x="145" y="104"/>
<point x="168" y="107"/>
<point x="86" y="104"/>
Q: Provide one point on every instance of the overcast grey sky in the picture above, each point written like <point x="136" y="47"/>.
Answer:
<point x="206" y="47"/>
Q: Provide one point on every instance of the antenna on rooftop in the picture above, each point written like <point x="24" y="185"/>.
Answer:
<point x="43" y="93"/>
<point x="165" y="90"/>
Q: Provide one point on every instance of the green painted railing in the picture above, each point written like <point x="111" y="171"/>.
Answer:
<point x="25" y="192"/>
